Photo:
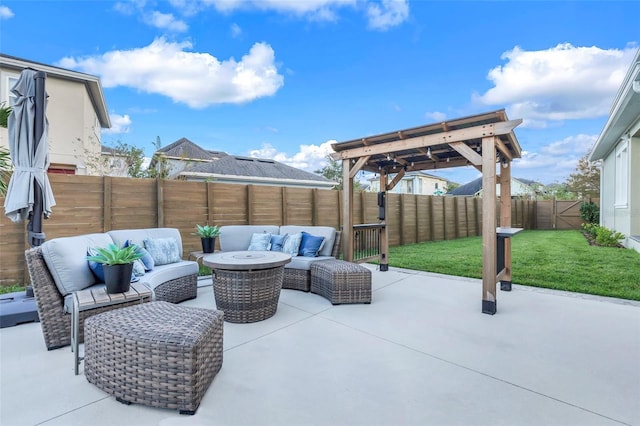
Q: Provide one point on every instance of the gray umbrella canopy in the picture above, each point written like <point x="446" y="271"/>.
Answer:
<point x="29" y="193"/>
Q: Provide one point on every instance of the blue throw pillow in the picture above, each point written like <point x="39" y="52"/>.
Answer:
<point x="95" y="267"/>
<point x="147" y="259"/>
<point x="292" y="244"/>
<point x="260" y="241"/>
<point x="277" y="241"/>
<point x="310" y="245"/>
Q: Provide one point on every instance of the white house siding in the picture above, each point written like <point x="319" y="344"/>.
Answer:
<point x="74" y="127"/>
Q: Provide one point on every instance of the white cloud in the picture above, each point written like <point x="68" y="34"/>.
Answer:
<point x="436" y="116"/>
<point x="561" y="83"/>
<point x="119" y="124"/>
<point x="309" y="158"/>
<point x="165" y="21"/>
<point x="195" y="79"/>
<point x="6" y="13"/>
<point x="387" y="14"/>
<point x="129" y="7"/>
<point x="555" y="161"/>
<point x="236" y="31"/>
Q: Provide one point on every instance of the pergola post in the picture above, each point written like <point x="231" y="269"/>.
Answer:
<point x="489" y="242"/>
<point x="347" y="211"/>
<point x="505" y="222"/>
<point x="384" y="237"/>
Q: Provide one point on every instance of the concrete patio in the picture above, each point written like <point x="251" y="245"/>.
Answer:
<point x="421" y="354"/>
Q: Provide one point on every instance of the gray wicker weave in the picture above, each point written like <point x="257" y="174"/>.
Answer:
<point x="156" y="354"/>
<point x="300" y="279"/>
<point x="341" y="282"/>
<point x="56" y="324"/>
<point x="247" y="296"/>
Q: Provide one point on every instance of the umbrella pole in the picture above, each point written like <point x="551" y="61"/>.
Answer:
<point x="36" y="236"/>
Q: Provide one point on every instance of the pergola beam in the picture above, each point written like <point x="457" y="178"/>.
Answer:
<point x="395" y="180"/>
<point x="467" y="152"/>
<point x="486" y="130"/>
<point x="358" y="166"/>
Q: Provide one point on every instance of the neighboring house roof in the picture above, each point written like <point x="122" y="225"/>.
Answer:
<point x="91" y="82"/>
<point x="469" y="188"/>
<point x="475" y="187"/>
<point x="237" y="168"/>
<point x="624" y="113"/>
<point x="184" y="148"/>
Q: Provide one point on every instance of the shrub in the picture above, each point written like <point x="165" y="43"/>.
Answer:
<point x="608" y="238"/>
<point x="590" y="212"/>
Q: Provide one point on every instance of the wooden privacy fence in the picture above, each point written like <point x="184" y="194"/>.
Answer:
<point x="91" y="204"/>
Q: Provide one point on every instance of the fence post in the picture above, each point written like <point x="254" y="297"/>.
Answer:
<point x="106" y="203"/>
<point x="250" y="204"/>
<point x="209" y="189"/>
<point x="160" y="196"/>
<point x="283" y="207"/>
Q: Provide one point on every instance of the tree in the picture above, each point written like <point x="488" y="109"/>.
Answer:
<point x="160" y="167"/>
<point x="333" y="172"/>
<point x="5" y="158"/>
<point x="450" y="186"/>
<point x="585" y="181"/>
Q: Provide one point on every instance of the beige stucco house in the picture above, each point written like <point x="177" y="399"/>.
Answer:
<point x="76" y="111"/>
<point x="414" y="183"/>
<point x="618" y="146"/>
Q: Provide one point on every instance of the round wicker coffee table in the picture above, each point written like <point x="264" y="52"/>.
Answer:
<point x="247" y="284"/>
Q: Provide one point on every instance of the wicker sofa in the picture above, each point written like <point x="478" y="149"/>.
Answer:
<point x="59" y="267"/>
<point x="297" y="273"/>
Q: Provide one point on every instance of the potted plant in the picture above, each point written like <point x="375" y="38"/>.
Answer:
<point x="117" y="265"/>
<point x="208" y="234"/>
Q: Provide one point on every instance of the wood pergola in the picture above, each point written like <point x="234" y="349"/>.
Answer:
<point x="484" y="141"/>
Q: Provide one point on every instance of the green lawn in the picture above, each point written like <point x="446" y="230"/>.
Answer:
<point x="560" y="260"/>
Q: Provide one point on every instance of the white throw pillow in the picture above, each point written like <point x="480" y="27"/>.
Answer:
<point x="260" y="242"/>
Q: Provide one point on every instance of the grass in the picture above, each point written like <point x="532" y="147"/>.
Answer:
<point x="561" y="260"/>
<point x="11" y="288"/>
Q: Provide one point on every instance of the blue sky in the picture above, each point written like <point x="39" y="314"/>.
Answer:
<point x="282" y="78"/>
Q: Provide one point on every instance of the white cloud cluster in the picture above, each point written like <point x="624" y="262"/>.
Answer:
<point x="436" y="116"/>
<point x="6" y="13"/>
<point x="195" y="79"/>
<point x="387" y="14"/>
<point x="381" y="15"/>
<point x="555" y="161"/>
<point x="309" y="158"/>
<point x="119" y="124"/>
<point x="561" y="83"/>
<point x="165" y="21"/>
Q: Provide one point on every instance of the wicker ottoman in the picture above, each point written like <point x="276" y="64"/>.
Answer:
<point x="157" y="354"/>
<point x="341" y="282"/>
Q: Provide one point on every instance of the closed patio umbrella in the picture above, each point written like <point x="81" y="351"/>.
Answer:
<point x="29" y="194"/>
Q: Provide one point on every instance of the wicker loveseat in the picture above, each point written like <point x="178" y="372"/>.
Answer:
<point x="59" y="267"/>
<point x="297" y="273"/>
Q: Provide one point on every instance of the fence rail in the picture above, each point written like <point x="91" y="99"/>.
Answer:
<point x="92" y="204"/>
<point x="367" y="241"/>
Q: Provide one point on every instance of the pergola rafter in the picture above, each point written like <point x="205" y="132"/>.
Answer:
<point x="482" y="141"/>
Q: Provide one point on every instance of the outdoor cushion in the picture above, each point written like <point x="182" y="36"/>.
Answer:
<point x="304" y="262"/>
<point x="238" y="237"/>
<point x="327" y="232"/>
<point x="137" y="236"/>
<point x="163" y="250"/>
<point x="260" y="241"/>
<point x="277" y="241"/>
<point x="292" y="244"/>
<point x="95" y="267"/>
<point x="138" y="268"/>
<point x="146" y="259"/>
<point x="310" y="245"/>
<point x="66" y="259"/>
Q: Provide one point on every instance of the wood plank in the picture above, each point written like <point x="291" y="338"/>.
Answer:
<point x="467" y="152"/>
<point x="347" y="215"/>
<point x="85" y="298"/>
<point x="489" y="243"/>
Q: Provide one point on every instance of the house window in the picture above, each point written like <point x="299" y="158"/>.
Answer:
<point x="409" y="187"/>
<point x="622" y="175"/>
<point x="10" y="80"/>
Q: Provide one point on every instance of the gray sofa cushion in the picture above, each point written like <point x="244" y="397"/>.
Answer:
<point x="327" y="232"/>
<point x="163" y="273"/>
<point x="238" y="237"/>
<point x="303" y="262"/>
<point x="138" y="235"/>
<point x="66" y="258"/>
